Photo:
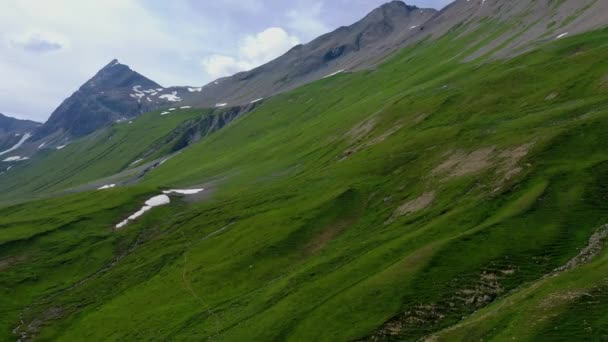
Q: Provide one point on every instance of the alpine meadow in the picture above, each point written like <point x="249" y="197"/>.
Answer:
<point x="436" y="175"/>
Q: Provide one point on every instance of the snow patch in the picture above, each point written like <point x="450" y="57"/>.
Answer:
<point x="137" y="94"/>
<point x="562" y="35"/>
<point x="195" y="90"/>
<point x="15" y="158"/>
<point x="109" y="186"/>
<point x="165" y="113"/>
<point x="18" y="144"/>
<point x="61" y="147"/>
<point x="218" y="105"/>
<point x="155" y="201"/>
<point x="171" y="97"/>
<point x="136" y="162"/>
<point x="183" y="191"/>
<point x="257" y="100"/>
<point x="335" y="73"/>
<point x="185" y="107"/>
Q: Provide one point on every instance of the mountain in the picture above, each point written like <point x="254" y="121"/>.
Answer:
<point x="455" y="192"/>
<point x="353" y="47"/>
<point x="118" y="93"/>
<point x="115" y="93"/>
<point x="504" y="28"/>
<point x="13" y="130"/>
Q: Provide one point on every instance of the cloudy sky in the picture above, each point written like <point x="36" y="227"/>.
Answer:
<point x="49" y="48"/>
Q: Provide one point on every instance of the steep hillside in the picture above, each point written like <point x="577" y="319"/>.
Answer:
<point x="388" y="204"/>
<point x="445" y="195"/>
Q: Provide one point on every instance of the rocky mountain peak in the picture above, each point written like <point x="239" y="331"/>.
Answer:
<point x="116" y="75"/>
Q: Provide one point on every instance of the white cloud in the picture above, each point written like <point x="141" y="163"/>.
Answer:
<point x="218" y="66"/>
<point x="253" y="51"/>
<point x="39" y="41"/>
<point x="306" y="20"/>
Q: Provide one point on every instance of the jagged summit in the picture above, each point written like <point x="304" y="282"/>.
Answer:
<point x="116" y="75"/>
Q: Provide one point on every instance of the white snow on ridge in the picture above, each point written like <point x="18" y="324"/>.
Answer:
<point x="562" y="35"/>
<point x="61" y="147"/>
<point x="15" y="158"/>
<point x="109" y="186"/>
<point x="183" y="191"/>
<point x="136" y="162"/>
<point x="257" y="100"/>
<point x="41" y="145"/>
<point x="18" y="144"/>
<point x="164" y="113"/>
<point x="155" y="201"/>
<point x="335" y="73"/>
<point x="195" y="90"/>
<point x="171" y="97"/>
<point x="221" y="105"/>
<point x="185" y="107"/>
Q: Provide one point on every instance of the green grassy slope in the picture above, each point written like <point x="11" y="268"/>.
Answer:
<point x="382" y="205"/>
<point x="102" y="154"/>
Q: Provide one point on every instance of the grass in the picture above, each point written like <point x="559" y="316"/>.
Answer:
<point x="296" y="242"/>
